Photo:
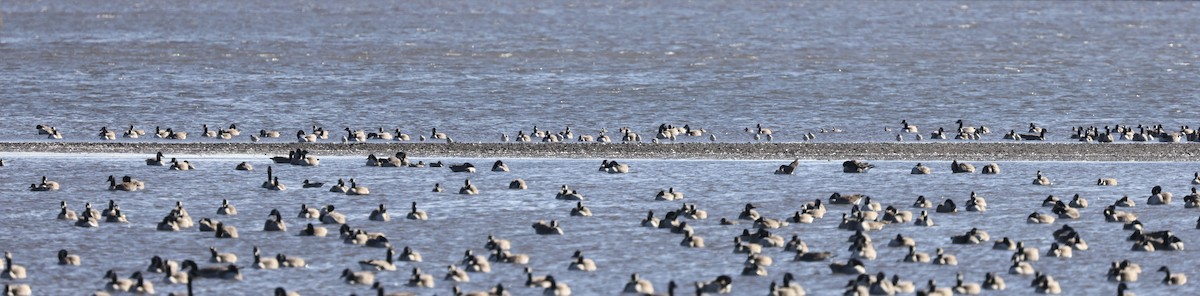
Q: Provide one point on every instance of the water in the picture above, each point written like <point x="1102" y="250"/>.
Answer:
<point x="613" y="237"/>
<point x="475" y="69"/>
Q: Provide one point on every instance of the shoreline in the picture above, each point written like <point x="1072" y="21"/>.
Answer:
<point x="726" y="151"/>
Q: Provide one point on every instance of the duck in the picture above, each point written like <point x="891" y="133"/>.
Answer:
<point x="226" y="208"/>
<point x="415" y="214"/>
<point x="274" y="222"/>
<point x="379" y="214"/>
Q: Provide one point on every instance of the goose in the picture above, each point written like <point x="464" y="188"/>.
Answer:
<point x="48" y="185"/>
<point x="556" y="288"/>
<point x="221" y="257"/>
<point x="380" y="214"/>
<point x="1047" y="285"/>
<point x="1029" y="253"/>
<point x="1196" y="178"/>
<point x="268" y="134"/>
<point x="308" y="213"/>
<point x="920" y="169"/>
<point x="181" y="165"/>
<point x="922" y="202"/>
<point x="1106" y="182"/>
<point x="1058" y="251"/>
<point x="386" y="264"/>
<point x="66" y="258"/>
<point x="505" y="256"/>
<point x="1125" y="201"/>
<point x="839" y="199"/>
<point x="1123" y="271"/>
<point x="961" y="167"/>
<point x="581" y="210"/>
<point x="1158" y="197"/>
<point x="290" y="262"/>
<point x="358" y="278"/>
<point x="274" y="222"/>
<point x="789" y="168"/>
<point x="864" y="251"/>
<point x="580" y="263"/>
<point x="499" y="166"/>
<point x="329" y="216"/>
<point x="947" y="206"/>
<point x="924" y="220"/>
<point x="494" y="243"/>
<point x="748" y="213"/>
<point x="116" y="217"/>
<point x="419" y="279"/>
<point x="855" y="166"/>
<point x="468" y="188"/>
<point x="965" y="288"/>
<point x="378" y="241"/>
<point x="690" y="240"/>
<point x="991" y="169"/>
<point x="901" y="241"/>
<point x="1041" y="180"/>
<point x="543" y="228"/>
<point x="934" y="290"/>
<point x="269" y="182"/>
<point x="340" y="187"/>
<point x="802" y="217"/>
<point x="106" y="134"/>
<point x="308" y="184"/>
<point x="1172" y="279"/>
<point x="478" y="264"/>
<point x="415" y="214"/>
<point x="18" y="289"/>
<point x="993" y="282"/>
<point x="748" y="248"/>
<point x="1005" y="244"/>
<point x="264" y="263"/>
<point x="224" y="231"/>
<point x="638" y="285"/>
<point x="116" y="284"/>
<point x="457" y="275"/>
<point x="1078" y="202"/>
<point x="408" y="254"/>
<point x="310" y="230"/>
<point x="693" y="213"/>
<point x="916" y="257"/>
<point x="64" y="213"/>
<point x="944" y="259"/>
<point x="768" y="223"/>
<point x="853" y="266"/>
<point x="908" y="128"/>
<point x="518" y="184"/>
<point x="244" y="166"/>
<point x="357" y="190"/>
<point x="1122" y="290"/>
<point x="1039" y="218"/>
<point x="802" y="254"/>
<point x="87" y="220"/>
<point x="652" y="222"/>
<point x="1192" y="200"/>
<point x="160" y="265"/>
<point x="1019" y="267"/>
<point x="226" y="208"/>
<point x="157" y="160"/>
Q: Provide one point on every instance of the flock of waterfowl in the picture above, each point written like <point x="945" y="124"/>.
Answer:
<point x="861" y="215"/>
<point x="666" y="133"/>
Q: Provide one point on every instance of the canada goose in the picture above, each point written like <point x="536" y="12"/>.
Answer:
<point x="244" y="166"/>
<point x="226" y="208"/>
<point x="329" y="216"/>
<point x="340" y="187"/>
<point x="1005" y="244"/>
<point x="991" y="169"/>
<point x="921" y="169"/>
<point x="225" y="231"/>
<point x="160" y="265"/>
<point x="908" y="128"/>
<point x="1058" y="251"/>
<point x="1158" y="197"/>
<point x="556" y="288"/>
<point x="310" y="230"/>
<point x="1019" y="267"/>
<point x="517" y="184"/>
<point x="747" y="248"/>
<point x="65" y="258"/>
<point x="18" y="289"/>
<point x="499" y="166"/>
<point x="965" y="288"/>
<point x="993" y="282"/>
<point x="961" y="167"/>
<point x="64" y="213"/>
<point x="116" y="284"/>
<point x="901" y="241"/>
<point x="468" y="188"/>
<point x="264" y="263"/>
<point x="106" y="134"/>
<point x="1122" y="290"/>
<point x="157" y="160"/>
<point x="380" y="265"/>
<point x="638" y="285"/>
<point x="415" y="214"/>
<point x="378" y="241"/>
<point x="358" y="278"/>
<point x="181" y="165"/>
<point x="543" y="228"/>
<point x="652" y="222"/>
<point x="221" y="257"/>
<point x="922" y="202"/>
<point x="274" y="222"/>
<point x="308" y="184"/>
<point x="419" y="279"/>
<point x="116" y="217"/>
<point x="944" y="259"/>
<point x="923" y="220"/>
<point x="380" y="214"/>
<point x="1029" y="253"/>
<point x="357" y="190"/>
<point x="916" y="257"/>
<point x="494" y="243"/>
<point x="947" y="206"/>
<point x="1106" y="182"/>
<point x="690" y="240"/>
<point x="1196" y="178"/>
<point x="1039" y="218"/>
<point x="308" y="213"/>
<point x="1040" y="179"/>
<point x="581" y="210"/>
<point x="478" y="264"/>
<point x="855" y="166"/>
<point x="853" y="266"/>
<point x="1172" y="279"/>
<point x="788" y="169"/>
<point x="457" y="275"/>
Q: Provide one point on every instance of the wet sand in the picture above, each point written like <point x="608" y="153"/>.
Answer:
<point x="733" y="151"/>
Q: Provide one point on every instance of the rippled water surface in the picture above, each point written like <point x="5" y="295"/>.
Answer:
<point x="613" y="237"/>
<point x="478" y="68"/>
